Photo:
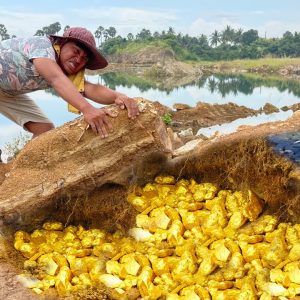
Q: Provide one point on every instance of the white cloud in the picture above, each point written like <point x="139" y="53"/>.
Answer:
<point x="26" y="23"/>
<point x="270" y="28"/>
<point x="127" y="20"/>
<point x="277" y="28"/>
<point x="201" y="26"/>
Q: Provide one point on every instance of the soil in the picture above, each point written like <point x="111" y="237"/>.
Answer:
<point x="206" y="115"/>
<point x="10" y="288"/>
<point x="161" y="62"/>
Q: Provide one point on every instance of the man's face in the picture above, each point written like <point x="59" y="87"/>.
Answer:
<point x="72" y="58"/>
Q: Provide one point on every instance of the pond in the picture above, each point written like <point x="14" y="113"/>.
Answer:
<point x="250" y="91"/>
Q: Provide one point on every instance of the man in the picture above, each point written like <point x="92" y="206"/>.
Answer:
<point x="36" y="63"/>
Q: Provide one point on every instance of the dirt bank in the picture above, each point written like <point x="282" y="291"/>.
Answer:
<point x="158" y="62"/>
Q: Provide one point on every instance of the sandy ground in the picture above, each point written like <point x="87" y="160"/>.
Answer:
<point x="10" y="288"/>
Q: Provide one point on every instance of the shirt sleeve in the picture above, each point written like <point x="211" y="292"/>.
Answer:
<point x="39" y="47"/>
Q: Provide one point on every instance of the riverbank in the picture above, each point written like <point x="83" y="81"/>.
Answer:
<point x="280" y="66"/>
<point x="169" y="67"/>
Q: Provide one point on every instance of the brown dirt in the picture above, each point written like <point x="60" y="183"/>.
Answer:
<point x="206" y="115"/>
<point x="147" y="55"/>
<point x="4" y="169"/>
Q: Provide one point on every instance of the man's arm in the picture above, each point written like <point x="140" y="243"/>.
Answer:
<point x="97" y="118"/>
<point x="103" y="95"/>
<point x="99" y="93"/>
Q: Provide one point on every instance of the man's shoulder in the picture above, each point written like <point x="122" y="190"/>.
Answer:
<point x="38" y="40"/>
<point x="20" y="43"/>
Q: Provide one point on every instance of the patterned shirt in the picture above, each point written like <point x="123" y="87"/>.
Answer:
<point x="17" y="72"/>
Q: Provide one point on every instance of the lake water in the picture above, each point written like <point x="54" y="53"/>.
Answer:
<point x="252" y="92"/>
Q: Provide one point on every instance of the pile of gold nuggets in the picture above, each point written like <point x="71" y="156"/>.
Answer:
<point x="191" y="241"/>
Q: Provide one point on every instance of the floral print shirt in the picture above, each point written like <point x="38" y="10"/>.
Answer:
<point x="17" y="72"/>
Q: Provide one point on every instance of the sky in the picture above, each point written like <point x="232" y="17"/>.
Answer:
<point x="194" y="17"/>
<point x="23" y="18"/>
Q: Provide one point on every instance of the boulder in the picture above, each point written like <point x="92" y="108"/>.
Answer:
<point x="71" y="161"/>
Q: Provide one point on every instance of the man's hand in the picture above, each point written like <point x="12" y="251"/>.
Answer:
<point x="130" y="104"/>
<point x="98" y="119"/>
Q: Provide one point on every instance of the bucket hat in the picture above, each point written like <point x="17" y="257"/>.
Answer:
<point x="85" y="37"/>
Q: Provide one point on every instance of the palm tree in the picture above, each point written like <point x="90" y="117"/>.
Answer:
<point x="99" y="33"/>
<point x="171" y="31"/>
<point x="130" y="36"/>
<point x="112" y="31"/>
<point x="55" y="27"/>
<point x="238" y="36"/>
<point x="215" y="38"/>
<point x="66" y="28"/>
<point x="105" y="34"/>
<point x="202" y="41"/>
<point x="156" y="34"/>
<point x="144" y="34"/>
<point x="227" y="35"/>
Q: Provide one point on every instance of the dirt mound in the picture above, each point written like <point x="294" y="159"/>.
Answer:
<point x="62" y="163"/>
<point x="146" y="55"/>
<point x="205" y="115"/>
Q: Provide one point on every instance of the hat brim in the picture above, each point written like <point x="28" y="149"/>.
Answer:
<point x="96" y="60"/>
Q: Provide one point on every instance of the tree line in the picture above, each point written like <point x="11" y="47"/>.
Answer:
<point x="226" y="44"/>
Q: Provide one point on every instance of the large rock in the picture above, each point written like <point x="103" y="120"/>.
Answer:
<point x="71" y="161"/>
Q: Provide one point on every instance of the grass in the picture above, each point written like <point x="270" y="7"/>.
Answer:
<point x="136" y="46"/>
<point x="271" y="63"/>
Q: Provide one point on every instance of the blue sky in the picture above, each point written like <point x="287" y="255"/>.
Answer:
<point x="270" y="17"/>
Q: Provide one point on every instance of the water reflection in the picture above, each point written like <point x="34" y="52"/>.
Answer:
<point x="224" y="84"/>
<point x="247" y="90"/>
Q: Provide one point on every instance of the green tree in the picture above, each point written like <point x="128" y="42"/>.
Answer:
<point x="39" y="32"/>
<point x="215" y="38"/>
<point x="203" y="41"/>
<point x="171" y="31"/>
<point x="98" y="34"/>
<point x="227" y="35"/>
<point x="112" y="32"/>
<point x="66" y="28"/>
<point x="288" y="35"/>
<point x="238" y="36"/>
<point x="156" y="35"/>
<point x="3" y="32"/>
<point x="53" y="28"/>
<point x="130" y="36"/>
<point x="105" y="34"/>
<point x="249" y="37"/>
<point x="144" y="34"/>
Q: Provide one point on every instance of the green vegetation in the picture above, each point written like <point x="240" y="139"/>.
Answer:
<point x="112" y="80"/>
<point x="272" y="64"/>
<point x="167" y="118"/>
<point x="223" y="84"/>
<point x="225" y="45"/>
